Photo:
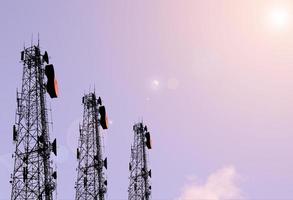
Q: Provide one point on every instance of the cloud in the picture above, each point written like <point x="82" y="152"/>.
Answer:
<point x="220" y="185"/>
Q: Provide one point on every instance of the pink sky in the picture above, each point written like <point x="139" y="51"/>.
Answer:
<point x="222" y="107"/>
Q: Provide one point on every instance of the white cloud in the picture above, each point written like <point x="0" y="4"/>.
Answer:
<point x="220" y="185"/>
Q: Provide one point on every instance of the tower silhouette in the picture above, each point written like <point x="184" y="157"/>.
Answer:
<point x="91" y="181"/>
<point x="33" y="176"/>
<point x="139" y="186"/>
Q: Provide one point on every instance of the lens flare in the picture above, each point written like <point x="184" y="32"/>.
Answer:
<point x="279" y="18"/>
<point x="155" y="84"/>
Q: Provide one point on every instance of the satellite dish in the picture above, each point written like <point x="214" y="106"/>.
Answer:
<point x="148" y="140"/>
<point x="106" y="163"/>
<point x="46" y="57"/>
<point x="130" y="167"/>
<point x="80" y="129"/>
<point x="54" y="147"/>
<point x="52" y="84"/>
<point x="22" y="55"/>
<point x="104" y="118"/>
<point x="54" y="175"/>
<point x="77" y="153"/>
<point x="14" y="133"/>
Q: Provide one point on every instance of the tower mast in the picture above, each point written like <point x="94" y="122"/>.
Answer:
<point x="139" y="186"/>
<point x="33" y="176"/>
<point x="91" y="181"/>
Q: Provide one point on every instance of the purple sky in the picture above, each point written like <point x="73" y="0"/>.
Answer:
<point x="212" y="79"/>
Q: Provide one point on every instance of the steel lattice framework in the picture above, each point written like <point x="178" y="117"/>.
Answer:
<point x="33" y="177"/>
<point x="91" y="181"/>
<point x="139" y="187"/>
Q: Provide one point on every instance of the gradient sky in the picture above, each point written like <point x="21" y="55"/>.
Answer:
<point x="212" y="79"/>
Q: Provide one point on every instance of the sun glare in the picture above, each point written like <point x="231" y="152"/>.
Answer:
<point x="155" y="84"/>
<point x="279" y="18"/>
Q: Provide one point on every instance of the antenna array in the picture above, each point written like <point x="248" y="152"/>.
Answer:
<point x="33" y="176"/>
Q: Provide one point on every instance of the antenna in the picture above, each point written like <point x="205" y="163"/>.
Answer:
<point x="91" y="181"/>
<point x="139" y="186"/>
<point x="32" y="175"/>
<point x="38" y="39"/>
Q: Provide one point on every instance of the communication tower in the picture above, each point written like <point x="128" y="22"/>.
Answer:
<point x="33" y="176"/>
<point x="139" y="186"/>
<point x="91" y="181"/>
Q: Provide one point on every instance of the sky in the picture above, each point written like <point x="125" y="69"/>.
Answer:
<point x="212" y="79"/>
